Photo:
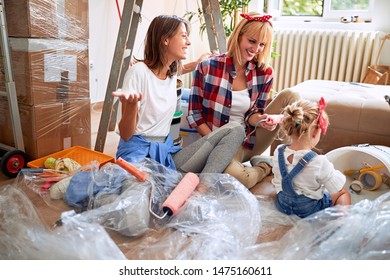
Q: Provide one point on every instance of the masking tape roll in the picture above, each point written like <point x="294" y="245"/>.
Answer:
<point x="356" y="186"/>
<point x="371" y="180"/>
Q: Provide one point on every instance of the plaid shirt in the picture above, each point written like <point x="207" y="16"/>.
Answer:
<point x="211" y="94"/>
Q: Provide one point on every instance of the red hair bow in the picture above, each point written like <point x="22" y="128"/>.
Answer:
<point x="322" y="123"/>
<point x="264" y="18"/>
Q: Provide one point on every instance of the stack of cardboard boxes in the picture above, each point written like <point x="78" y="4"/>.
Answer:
<point x="49" y="53"/>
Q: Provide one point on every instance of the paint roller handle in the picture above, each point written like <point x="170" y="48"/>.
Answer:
<point x="140" y="175"/>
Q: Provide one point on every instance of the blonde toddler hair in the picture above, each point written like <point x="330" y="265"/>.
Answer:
<point x="300" y="118"/>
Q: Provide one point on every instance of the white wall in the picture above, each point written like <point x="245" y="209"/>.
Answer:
<point x="104" y="23"/>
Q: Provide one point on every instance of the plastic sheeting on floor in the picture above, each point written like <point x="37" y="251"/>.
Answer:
<point x="220" y="220"/>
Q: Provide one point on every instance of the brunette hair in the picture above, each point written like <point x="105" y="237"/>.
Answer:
<point x="161" y="28"/>
<point x="263" y="31"/>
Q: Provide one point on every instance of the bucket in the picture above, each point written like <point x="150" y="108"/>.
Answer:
<point x="175" y="125"/>
<point x="354" y="157"/>
<point x="189" y="136"/>
<point x="179" y="88"/>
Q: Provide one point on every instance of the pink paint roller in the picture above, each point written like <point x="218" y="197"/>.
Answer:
<point x="274" y="119"/>
<point x="140" y="175"/>
<point x="180" y="194"/>
<point x="270" y="120"/>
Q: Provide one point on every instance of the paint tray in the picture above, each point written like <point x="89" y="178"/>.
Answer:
<point x="80" y="154"/>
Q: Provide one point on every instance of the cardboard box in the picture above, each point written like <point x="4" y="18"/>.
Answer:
<point x="65" y="19"/>
<point x="48" y="70"/>
<point x="50" y="127"/>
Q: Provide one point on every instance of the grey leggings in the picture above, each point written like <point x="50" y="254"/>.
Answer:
<point x="249" y="176"/>
<point x="213" y="152"/>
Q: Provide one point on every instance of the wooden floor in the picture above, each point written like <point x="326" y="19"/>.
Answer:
<point x="110" y="146"/>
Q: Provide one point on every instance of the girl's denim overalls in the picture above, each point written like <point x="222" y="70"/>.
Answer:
<point x="287" y="200"/>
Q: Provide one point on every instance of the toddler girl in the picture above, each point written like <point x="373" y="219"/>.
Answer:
<point x="306" y="182"/>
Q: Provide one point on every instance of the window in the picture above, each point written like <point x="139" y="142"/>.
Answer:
<point x="326" y="9"/>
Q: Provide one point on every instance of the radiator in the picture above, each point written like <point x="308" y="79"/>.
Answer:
<point x="337" y="55"/>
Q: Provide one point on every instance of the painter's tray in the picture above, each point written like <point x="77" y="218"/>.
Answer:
<point x="80" y="154"/>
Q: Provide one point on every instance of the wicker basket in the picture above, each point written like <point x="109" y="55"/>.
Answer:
<point x="378" y="74"/>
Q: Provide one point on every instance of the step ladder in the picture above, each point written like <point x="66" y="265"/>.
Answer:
<point x="131" y="16"/>
<point x="13" y="158"/>
<point x="214" y="25"/>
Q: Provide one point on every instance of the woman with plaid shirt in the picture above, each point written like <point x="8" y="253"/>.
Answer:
<point x="235" y="87"/>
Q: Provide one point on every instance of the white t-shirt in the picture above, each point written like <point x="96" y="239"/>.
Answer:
<point x="158" y="103"/>
<point x="240" y="105"/>
<point x="318" y="175"/>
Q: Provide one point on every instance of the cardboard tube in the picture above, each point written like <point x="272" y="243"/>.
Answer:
<point x="140" y="175"/>
<point x="180" y="194"/>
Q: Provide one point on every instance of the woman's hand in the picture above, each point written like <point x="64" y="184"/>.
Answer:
<point x="260" y="120"/>
<point x="127" y="97"/>
<point x="268" y="126"/>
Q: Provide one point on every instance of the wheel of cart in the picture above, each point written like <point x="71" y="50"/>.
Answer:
<point x="12" y="161"/>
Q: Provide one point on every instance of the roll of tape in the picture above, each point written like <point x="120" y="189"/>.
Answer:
<point x="356" y="186"/>
<point x="371" y="180"/>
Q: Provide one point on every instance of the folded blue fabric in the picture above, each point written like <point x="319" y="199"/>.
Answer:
<point x="85" y="185"/>
<point x="137" y="147"/>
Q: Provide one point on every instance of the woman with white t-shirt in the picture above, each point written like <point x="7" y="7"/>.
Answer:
<point x="149" y="101"/>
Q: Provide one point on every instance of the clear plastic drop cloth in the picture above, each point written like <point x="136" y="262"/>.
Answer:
<point x="23" y="236"/>
<point x="360" y="231"/>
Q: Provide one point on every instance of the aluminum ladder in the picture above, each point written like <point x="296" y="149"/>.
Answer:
<point x="131" y="16"/>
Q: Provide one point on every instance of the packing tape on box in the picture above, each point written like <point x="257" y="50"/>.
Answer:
<point x="370" y="180"/>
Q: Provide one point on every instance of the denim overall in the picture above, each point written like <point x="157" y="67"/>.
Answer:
<point x="287" y="200"/>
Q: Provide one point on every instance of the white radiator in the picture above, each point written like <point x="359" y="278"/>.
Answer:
<point x="338" y="55"/>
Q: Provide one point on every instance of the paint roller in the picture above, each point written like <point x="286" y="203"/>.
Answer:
<point x="270" y="120"/>
<point x="140" y="175"/>
<point x="178" y="196"/>
<point x="274" y="119"/>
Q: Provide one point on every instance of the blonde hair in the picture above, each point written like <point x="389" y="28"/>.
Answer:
<point x="263" y="31"/>
<point x="300" y="118"/>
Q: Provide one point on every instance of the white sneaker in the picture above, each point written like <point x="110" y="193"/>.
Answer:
<point x="256" y="160"/>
